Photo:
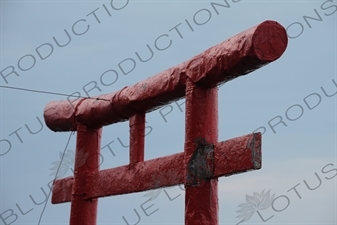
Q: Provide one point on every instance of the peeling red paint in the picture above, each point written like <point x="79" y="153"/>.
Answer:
<point x="201" y="123"/>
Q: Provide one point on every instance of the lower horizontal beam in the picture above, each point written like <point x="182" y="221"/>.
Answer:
<point x="151" y="174"/>
<point x="238" y="155"/>
<point x="230" y="157"/>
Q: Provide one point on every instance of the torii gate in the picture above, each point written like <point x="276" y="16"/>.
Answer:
<point x="204" y="158"/>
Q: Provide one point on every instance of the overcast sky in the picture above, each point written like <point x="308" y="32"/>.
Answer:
<point x="292" y="100"/>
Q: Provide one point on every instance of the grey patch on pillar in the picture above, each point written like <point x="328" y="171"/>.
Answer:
<point x="201" y="164"/>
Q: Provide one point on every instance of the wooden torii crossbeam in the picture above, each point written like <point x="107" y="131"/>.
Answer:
<point x="204" y="158"/>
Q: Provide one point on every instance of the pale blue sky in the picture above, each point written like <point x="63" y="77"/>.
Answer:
<point x="291" y="155"/>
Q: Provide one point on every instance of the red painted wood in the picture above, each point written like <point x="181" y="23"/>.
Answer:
<point x="233" y="156"/>
<point x="137" y="138"/>
<point x="87" y="158"/>
<point x="237" y="56"/>
<point x="236" y="158"/>
<point x="203" y="159"/>
<point x="201" y="195"/>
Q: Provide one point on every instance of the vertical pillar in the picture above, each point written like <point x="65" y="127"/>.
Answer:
<point x="87" y="158"/>
<point x="201" y="198"/>
<point x="137" y="136"/>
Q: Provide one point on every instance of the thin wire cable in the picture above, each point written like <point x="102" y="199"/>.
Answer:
<point x="48" y="92"/>
<point x="45" y="205"/>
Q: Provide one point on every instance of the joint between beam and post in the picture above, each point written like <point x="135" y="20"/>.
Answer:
<point x="83" y="184"/>
<point x="201" y="164"/>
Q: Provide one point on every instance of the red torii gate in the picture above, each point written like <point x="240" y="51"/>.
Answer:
<point x="204" y="158"/>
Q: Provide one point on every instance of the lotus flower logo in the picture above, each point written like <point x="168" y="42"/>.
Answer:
<point x="67" y="163"/>
<point x="258" y="201"/>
